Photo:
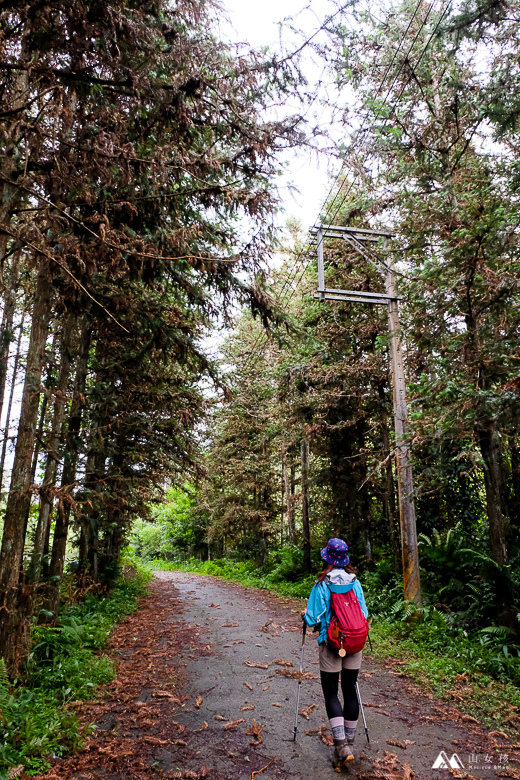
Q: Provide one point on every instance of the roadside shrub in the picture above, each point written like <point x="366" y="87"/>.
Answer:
<point x="65" y="664"/>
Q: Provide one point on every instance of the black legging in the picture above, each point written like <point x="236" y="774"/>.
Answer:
<point x="329" y="684"/>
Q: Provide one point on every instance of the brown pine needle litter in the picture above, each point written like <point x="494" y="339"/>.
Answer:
<point x="256" y="731"/>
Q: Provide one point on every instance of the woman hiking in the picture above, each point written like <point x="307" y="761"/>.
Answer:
<point x="338" y="577"/>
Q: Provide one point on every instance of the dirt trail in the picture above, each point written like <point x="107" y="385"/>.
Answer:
<point x="192" y="684"/>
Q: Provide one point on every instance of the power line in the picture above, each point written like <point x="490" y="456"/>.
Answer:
<point x="363" y="132"/>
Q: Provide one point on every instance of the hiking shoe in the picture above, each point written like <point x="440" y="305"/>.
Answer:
<point x="342" y="752"/>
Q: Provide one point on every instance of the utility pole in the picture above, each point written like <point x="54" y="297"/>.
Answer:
<point x="357" y="238"/>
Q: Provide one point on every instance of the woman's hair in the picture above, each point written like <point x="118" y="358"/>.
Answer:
<point x="327" y="568"/>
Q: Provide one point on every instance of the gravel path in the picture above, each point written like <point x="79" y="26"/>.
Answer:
<point x="206" y="688"/>
<point x="268" y="633"/>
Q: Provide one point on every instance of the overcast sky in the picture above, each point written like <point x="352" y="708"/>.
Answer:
<point x="256" y="23"/>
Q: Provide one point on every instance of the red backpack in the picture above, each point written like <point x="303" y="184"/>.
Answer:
<point x="348" y="627"/>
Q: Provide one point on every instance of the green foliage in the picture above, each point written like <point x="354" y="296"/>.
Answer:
<point x="177" y="528"/>
<point x="444" y="661"/>
<point x="458" y="596"/>
<point x="65" y="664"/>
<point x="247" y="573"/>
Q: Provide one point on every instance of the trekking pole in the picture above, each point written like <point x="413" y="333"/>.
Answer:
<point x="368" y="635"/>
<point x="362" y="712"/>
<point x="295" y="730"/>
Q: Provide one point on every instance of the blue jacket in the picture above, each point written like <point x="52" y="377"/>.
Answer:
<point x="318" y="605"/>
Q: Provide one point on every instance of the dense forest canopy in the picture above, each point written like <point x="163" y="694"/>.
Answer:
<point x="139" y="157"/>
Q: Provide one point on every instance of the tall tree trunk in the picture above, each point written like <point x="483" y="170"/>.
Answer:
<point x="10" y="405"/>
<point x="49" y="383"/>
<point x="6" y="335"/>
<point x="282" y="491"/>
<point x="20" y="494"/>
<point x="495" y="503"/>
<point x="494" y="484"/>
<point x="389" y="504"/>
<point x="68" y="477"/>
<point x="290" y="487"/>
<point x="515" y="480"/>
<point x="305" y="506"/>
<point x="53" y="442"/>
<point x="289" y="505"/>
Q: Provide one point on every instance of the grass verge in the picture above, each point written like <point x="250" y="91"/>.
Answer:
<point x="245" y="573"/>
<point x="447" y="666"/>
<point x="65" y="664"/>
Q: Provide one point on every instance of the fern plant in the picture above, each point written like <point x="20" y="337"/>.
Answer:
<point x="4" y="692"/>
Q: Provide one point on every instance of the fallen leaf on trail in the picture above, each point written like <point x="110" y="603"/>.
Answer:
<point x="306" y="711"/>
<point x="408" y="773"/>
<point x="204" y="726"/>
<point x="233" y="723"/>
<point x="469" y="719"/>
<point x="227" y="645"/>
<point x="214" y="605"/>
<point x="257" y="771"/>
<point x="180" y="742"/>
<point x="166" y="695"/>
<point x="280" y="662"/>
<point x="311" y="732"/>
<point x="295" y="674"/>
<point x="204" y="771"/>
<point x="239" y="642"/>
<point x="370" y="704"/>
<point x="259" y="645"/>
<point x="498" y="734"/>
<point x="249" y="707"/>
<point x="229" y="625"/>
<point x="256" y="666"/>
<point x="265" y="687"/>
<point x="248" y="686"/>
<point x="276" y="704"/>
<point x="156" y="741"/>
<point x="325" y="738"/>
<point x="256" y="731"/>
<point x="396" y="744"/>
<point x="189" y="775"/>
<point x="265" y="627"/>
<point x="198" y="702"/>
<point x="219" y="717"/>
